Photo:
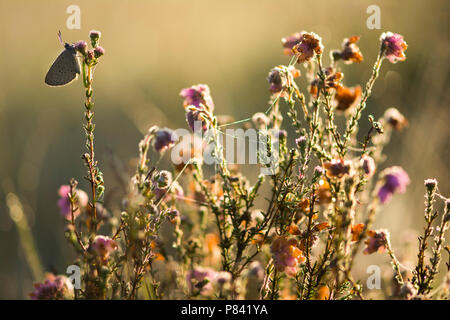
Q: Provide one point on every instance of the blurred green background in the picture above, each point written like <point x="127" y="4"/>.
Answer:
<point x="155" y="48"/>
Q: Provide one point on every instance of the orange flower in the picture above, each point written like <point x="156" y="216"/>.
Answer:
<point x="350" y="51"/>
<point x="346" y="98"/>
<point x="356" y="231"/>
<point x="323" y="293"/>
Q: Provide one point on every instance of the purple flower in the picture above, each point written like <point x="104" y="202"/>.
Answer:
<point x="64" y="202"/>
<point x="95" y="35"/>
<point x="201" y="278"/>
<point x="395" y="181"/>
<point x="103" y="246"/>
<point x="164" y="139"/>
<point x="393" y="46"/>
<point x="291" y="41"/>
<point x="377" y="241"/>
<point x="53" y="288"/>
<point x="81" y="47"/>
<point x="195" y="122"/>
<point x="197" y="95"/>
<point x="98" y="52"/>
<point x="277" y="80"/>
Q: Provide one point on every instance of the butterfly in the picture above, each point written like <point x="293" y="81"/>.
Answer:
<point x="65" y="68"/>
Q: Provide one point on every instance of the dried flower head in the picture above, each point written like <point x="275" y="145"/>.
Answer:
<point x="395" y="180"/>
<point x="368" y="165"/>
<point x="393" y="46"/>
<point x="309" y="46"/>
<point x="82" y="200"/>
<point x="286" y="255"/>
<point x="291" y="41"/>
<point x="377" y="241"/>
<point x="431" y="184"/>
<point x="53" y="288"/>
<point x="350" y="51"/>
<point x="260" y="120"/>
<point x="395" y="119"/>
<point x="347" y="97"/>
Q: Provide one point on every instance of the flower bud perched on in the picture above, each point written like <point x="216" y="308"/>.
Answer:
<point x="291" y="41"/>
<point x="81" y="47"/>
<point x="393" y="46"/>
<point x="53" y="288"/>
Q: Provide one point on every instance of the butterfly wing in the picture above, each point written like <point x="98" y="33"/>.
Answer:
<point x="64" y="70"/>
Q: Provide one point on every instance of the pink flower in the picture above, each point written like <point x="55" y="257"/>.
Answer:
<point x="201" y="278"/>
<point x="53" y="288"/>
<point x="393" y="46"/>
<point x="377" y="241"/>
<point x="64" y="202"/>
<point x="286" y="255"/>
<point x="197" y="95"/>
<point x="103" y="246"/>
<point x="164" y="139"/>
<point x="395" y="181"/>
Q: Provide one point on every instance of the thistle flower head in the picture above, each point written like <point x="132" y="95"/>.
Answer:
<point x="81" y="47"/>
<point x="98" y="52"/>
<point x="53" y="288"/>
<point x="95" y="37"/>
<point x="395" y="180"/>
<point x="393" y="46"/>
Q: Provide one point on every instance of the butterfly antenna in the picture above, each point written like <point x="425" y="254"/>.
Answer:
<point x="60" y="38"/>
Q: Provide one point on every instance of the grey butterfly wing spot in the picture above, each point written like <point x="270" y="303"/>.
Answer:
<point x="65" y="69"/>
